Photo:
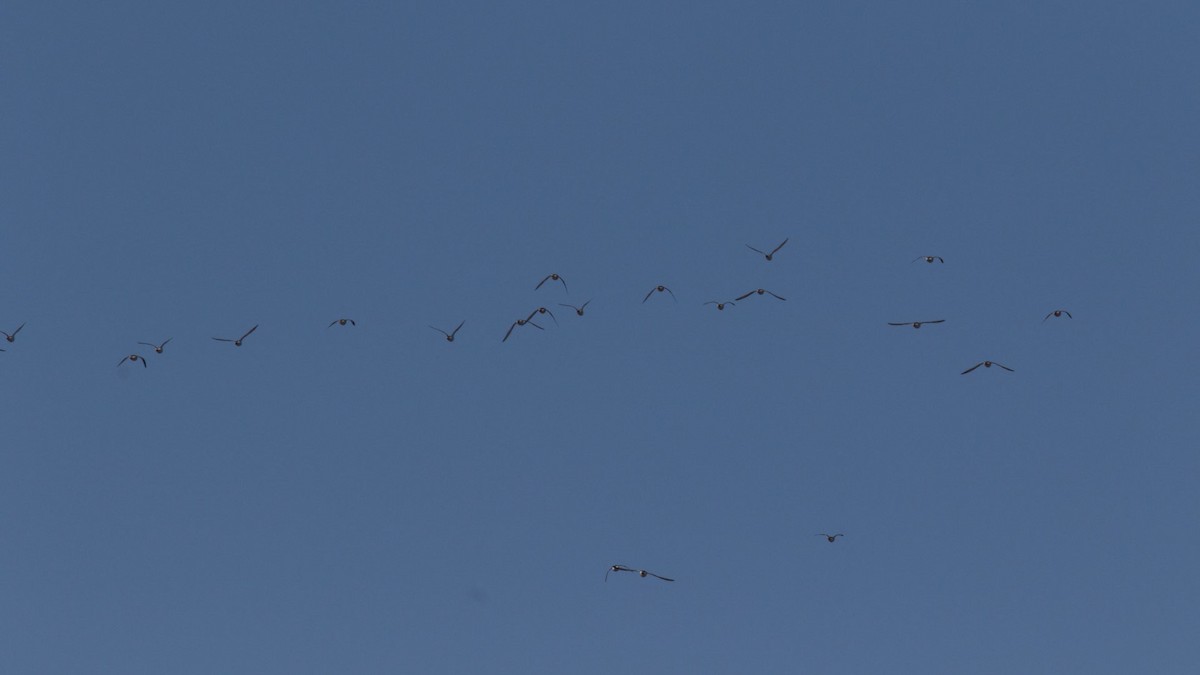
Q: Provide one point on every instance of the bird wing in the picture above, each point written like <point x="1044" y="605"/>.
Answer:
<point x="938" y="321"/>
<point x="223" y="340"/>
<point x="564" y="283"/>
<point x="672" y="293"/>
<point x="530" y="323"/>
<point x="460" y="325"/>
<point x="541" y="282"/>
<point x="971" y="368"/>
<point x="561" y="304"/>
<point x="18" y="330"/>
<point x="1047" y="317"/>
<point x="905" y="323"/>
<point x="1003" y="366"/>
<point x="659" y="577"/>
<point x="781" y="298"/>
<point x="249" y="332"/>
<point x="331" y="323"/>
<point x="148" y="344"/>
<point x="743" y="297"/>
<point x="1068" y="314"/>
<point x="649" y="294"/>
<point x="143" y="360"/>
<point x="122" y="361"/>
<point x="551" y="315"/>
<point x="510" y="330"/>
<point x="440" y="331"/>
<point x="779" y="246"/>
<point x="164" y="344"/>
<point x="755" y="250"/>
<point x="939" y="259"/>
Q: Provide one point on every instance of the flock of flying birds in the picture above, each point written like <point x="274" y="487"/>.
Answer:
<point x="579" y="310"/>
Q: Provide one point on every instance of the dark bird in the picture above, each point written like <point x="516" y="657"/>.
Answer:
<point x="759" y="291"/>
<point x="831" y="537"/>
<point x="238" y="342"/>
<point x="721" y="305"/>
<point x="929" y="258"/>
<point x="987" y="364"/>
<point x="340" y="322"/>
<point x="1057" y="313"/>
<point x="555" y="277"/>
<point x="520" y="322"/>
<point x="660" y="288"/>
<point x="915" y="324"/>
<point x="640" y="573"/>
<point x="578" y="310"/>
<point x="133" y="358"/>
<point x="157" y="348"/>
<point x="450" y="335"/>
<point x="12" y="337"/>
<point x="542" y="310"/>
<point x="770" y="255"/>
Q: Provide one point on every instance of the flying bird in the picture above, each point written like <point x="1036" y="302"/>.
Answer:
<point x="578" y="310"/>
<point x="929" y="258"/>
<point x="520" y="322"/>
<point x="450" y="335"/>
<point x="721" y="305"/>
<point x="640" y="573"/>
<point x="987" y="364"/>
<point x="660" y="288"/>
<point x="340" y="322"/>
<point x="238" y="342"/>
<point x="542" y="310"/>
<point x="1057" y="313"/>
<point x="831" y="537"/>
<point x="770" y="255"/>
<point x="915" y="324"/>
<point x="549" y="277"/>
<point x="158" y="349"/>
<point x="133" y="358"/>
<point x="12" y="337"/>
<point x="759" y="291"/>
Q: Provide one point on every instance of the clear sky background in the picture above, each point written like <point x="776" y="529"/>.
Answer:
<point x="374" y="499"/>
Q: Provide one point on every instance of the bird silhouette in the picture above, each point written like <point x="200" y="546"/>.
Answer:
<point x="578" y="310"/>
<point x="555" y="277"/>
<point x="987" y="364"/>
<point x="133" y="358"/>
<point x="542" y="310"/>
<point x="915" y="324"/>
<point x="238" y="342"/>
<point x="640" y="573"/>
<point x="721" y="305"/>
<point x="450" y="335"/>
<point x="340" y="322"/>
<point x="12" y="337"/>
<point x="660" y="288"/>
<point x="158" y="349"/>
<point x="1057" y="313"/>
<point x="831" y="537"/>
<point x="770" y="255"/>
<point x="929" y="258"/>
<point x="758" y="291"/>
<point x="520" y="322"/>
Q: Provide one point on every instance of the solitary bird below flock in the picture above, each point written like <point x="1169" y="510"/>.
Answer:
<point x="987" y="364"/>
<point x="238" y="342"/>
<point x="640" y="573"/>
<point x="770" y="255"/>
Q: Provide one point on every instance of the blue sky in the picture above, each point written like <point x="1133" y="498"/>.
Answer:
<point x="375" y="499"/>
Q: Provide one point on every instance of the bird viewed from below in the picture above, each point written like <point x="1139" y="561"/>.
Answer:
<point x="238" y="342"/>
<point x="831" y="537"/>
<point x="929" y="258"/>
<point x="659" y="288"/>
<point x="133" y="358"/>
<point x="1057" y="313"/>
<point x="757" y="291"/>
<point x="578" y="310"/>
<point x="914" y="324"/>
<point x="12" y="337"/>
<point x="158" y="349"/>
<point x="721" y="305"/>
<point x="451" y="334"/>
<point x="640" y="573"/>
<point x="520" y="322"/>
<point x="340" y="322"/>
<point x="552" y="277"/>
<point x="542" y="310"/>
<point x="987" y="364"/>
<point x="771" y="255"/>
